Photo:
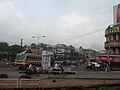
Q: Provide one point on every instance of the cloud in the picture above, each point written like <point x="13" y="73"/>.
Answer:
<point x="14" y="26"/>
<point x="72" y="25"/>
<point x="70" y="28"/>
<point x="73" y="20"/>
<point x="10" y="19"/>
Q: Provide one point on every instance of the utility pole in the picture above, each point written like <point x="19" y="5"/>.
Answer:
<point x="21" y="42"/>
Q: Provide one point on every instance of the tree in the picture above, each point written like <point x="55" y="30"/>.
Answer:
<point x="15" y="49"/>
<point x="4" y="46"/>
<point x="33" y="45"/>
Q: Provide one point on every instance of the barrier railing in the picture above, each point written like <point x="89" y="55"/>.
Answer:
<point x="9" y="83"/>
<point x="19" y="83"/>
<point x="29" y="82"/>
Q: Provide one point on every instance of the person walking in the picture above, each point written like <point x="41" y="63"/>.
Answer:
<point x="62" y="69"/>
<point x="107" y="68"/>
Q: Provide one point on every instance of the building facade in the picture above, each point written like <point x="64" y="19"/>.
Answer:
<point x="112" y="43"/>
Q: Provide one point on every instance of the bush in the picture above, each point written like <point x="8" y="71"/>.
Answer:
<point x="3" y="75"/>
<point x="26" y="76"/>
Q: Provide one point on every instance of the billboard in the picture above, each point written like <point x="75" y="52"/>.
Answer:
<point x="116" y="14"/>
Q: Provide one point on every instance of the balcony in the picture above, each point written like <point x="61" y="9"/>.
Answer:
<point x="115" y="43"/>
<point x="112" y="30"/>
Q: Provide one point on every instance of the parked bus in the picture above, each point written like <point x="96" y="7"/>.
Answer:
<point x="24" y="59"/>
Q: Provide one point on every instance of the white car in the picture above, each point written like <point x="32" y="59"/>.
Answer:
<point x="89" y="64"/>
<point x="95" y="63"/>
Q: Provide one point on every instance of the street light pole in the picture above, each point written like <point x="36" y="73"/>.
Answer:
<point x="38" y="42"/>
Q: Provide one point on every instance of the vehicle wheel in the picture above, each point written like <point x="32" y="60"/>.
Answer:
<point x="26" y="76"/>
<point x="3" y="75"/>
<point x="20" y="68"/>
<point x="28" y="71"/>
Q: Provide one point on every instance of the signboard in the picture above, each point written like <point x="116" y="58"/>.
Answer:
<point x="45" y="60"/>
<point x="116" y="14"/>
<point x="104" y="58"/>
<point x="114" y="29"/>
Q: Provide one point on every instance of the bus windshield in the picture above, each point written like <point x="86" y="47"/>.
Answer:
<point x="20" y="56"/>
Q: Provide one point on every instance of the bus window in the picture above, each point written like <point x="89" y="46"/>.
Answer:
<point x="20" y="57"/>
<point x="27" y="57"/>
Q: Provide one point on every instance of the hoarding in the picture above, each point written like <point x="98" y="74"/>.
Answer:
<point x="45" y="60"/>
<point x="116" y="14"/>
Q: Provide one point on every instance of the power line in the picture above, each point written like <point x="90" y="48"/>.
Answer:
<point x="79" y="36"/>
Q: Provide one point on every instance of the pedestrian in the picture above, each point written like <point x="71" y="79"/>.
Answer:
<point x="62" y="69"/>
<point x="107" y="68"/>
<point x="56" y="66"/>
<point x="30" y="65"/>
<point x="77" y="64"/>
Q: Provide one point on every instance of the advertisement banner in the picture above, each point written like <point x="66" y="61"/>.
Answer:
<point x="116" y="14"/>
<point x="45" y="60"/>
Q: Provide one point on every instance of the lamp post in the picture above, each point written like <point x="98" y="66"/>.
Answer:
<point x="38" y="41"/>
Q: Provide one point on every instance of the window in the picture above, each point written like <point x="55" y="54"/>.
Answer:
<point x="114" y="37"/>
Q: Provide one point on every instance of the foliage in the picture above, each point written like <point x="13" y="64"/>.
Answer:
<point x="9" y="52"/>
<point x="41" y="45"/>
<point x="15" y="48"/>
<point x="33" y="45"/>
<point x="4" y="46"/>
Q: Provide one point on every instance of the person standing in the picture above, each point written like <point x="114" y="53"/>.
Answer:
<point x="77" y="64"/>
<point x="30" y="65"/>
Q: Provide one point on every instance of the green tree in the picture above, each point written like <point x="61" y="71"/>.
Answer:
<point x="33" y="45"/>
<point x="4" y="46"/>
<point x="15" y="49"/>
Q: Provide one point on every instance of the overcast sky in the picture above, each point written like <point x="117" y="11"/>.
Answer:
<point x="62" y="21"/>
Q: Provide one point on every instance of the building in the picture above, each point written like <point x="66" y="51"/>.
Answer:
<point x="112" y="35"/>
<point x="66" y="53"/>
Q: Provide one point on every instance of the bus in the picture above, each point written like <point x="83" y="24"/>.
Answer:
<point x="24" y="59"/>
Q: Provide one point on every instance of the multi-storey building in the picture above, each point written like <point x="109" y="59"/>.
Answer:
<point x="112" y="35"/>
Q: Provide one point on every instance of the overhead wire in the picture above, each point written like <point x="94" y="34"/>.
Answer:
<point x="69" y="39"/>
<point x="80" y="36"/>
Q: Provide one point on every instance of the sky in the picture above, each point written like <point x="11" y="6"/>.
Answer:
<point x="71" y="22"/>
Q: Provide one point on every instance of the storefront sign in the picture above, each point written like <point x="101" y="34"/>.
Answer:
<point x="114" y="29"/>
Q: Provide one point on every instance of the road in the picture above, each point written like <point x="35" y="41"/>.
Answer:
<point x="80" y="72"/>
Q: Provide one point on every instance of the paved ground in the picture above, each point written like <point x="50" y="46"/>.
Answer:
<point x="54" y="83"/>
<point x="80" y="77"/>
<point x="14" y="72"/>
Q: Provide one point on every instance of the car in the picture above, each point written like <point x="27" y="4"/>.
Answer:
<point x="93" y="65"/>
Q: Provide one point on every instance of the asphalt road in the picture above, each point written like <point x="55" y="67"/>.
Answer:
<point x="80" y="72"/>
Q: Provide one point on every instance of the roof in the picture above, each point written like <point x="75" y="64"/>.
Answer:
<point x="63" y="46"/>
<point x="35" y="51"/>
